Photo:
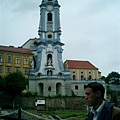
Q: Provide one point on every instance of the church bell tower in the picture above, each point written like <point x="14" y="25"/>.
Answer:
<point x="48" y="76"/>
<point x="49" y="52"/>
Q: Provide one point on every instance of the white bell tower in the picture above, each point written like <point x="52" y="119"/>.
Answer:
<point x="49" y="76"/>
<point x="49" y="48"/>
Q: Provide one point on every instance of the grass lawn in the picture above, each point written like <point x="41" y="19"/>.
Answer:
<point x="61" y="113"/>
<point x="68" y="113"/>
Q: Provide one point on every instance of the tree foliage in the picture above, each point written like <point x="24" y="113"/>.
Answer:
<point x="2" y="83"/>
<point x="15" y="83"/>
<point x="113" y="77"/>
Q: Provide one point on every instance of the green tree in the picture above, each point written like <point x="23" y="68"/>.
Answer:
<point x="15" y="84"/>
<point x="113" y="77"/>
<point x="2" y="83"/>
<point x="103" y="77"/>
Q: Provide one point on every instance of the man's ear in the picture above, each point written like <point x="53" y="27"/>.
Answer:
<point x="98" y="93"/>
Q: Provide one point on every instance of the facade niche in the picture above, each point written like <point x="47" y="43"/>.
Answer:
<point x="49" y="59"/>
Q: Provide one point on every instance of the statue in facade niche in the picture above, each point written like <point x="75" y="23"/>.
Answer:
<point x="49" y="62"/>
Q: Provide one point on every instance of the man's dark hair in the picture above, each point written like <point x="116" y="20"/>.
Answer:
<point x="96" y="87"/>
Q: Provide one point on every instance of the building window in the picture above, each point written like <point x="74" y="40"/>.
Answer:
<point x="49" y="0"/>
<point x="26" y="71"/>
<point x="16" y="69"/>
<point x="1" y="69"/>
<point x="49" y="16"/>
<point x="73" y="71"/>
<point x="1" y="58"/>
<point x="90" y="77"/>
<point x="76" y="87"/>
<point x="49" y="72"/>
<point x="9" y="59"/>
<point x="26" y="61"/>
<point x="81" y="72"/>
<point x="89" y="72"/>
<point x="73" y="77"/>
<point x="82" y="77"/>
<point x="17" y="60"/>
<point x="8" y="69"/>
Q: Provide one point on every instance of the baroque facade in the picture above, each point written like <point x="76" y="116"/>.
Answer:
<point x="49" y="75"/>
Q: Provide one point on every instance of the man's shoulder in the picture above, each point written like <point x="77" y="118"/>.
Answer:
<point x="116" y="110"/>
<point x="116" y="113"/>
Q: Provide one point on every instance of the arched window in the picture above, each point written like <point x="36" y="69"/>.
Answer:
<point x="49" y="72"/>
<point x="58" y="88"/>
<point x="73" y="77"/>
<point x="82" y="77"/>
<point x="90" y="77"/>
<point x="41" y="89"/>
<point x="49" y="17"/>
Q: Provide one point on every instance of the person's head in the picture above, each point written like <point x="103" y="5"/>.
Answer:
<point x="94" y="93"/>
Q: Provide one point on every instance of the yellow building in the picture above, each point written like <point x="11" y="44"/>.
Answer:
<point x="82" y="70"/>
<point x="15" y="59"/>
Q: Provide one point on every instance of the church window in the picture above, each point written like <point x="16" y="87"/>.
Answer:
<point x="90" y="77"/>
<point x="49" y="36"/>
<point x="76" y="87"/>
<point x="39" y="74"/>
<point x="73" y="77"/>
<point x="60" y="73"/>
<point x="49" y="72"/>
<point x="82" y="77"/>
<point x="49" y="16"/>
<point x="49" y="88"/>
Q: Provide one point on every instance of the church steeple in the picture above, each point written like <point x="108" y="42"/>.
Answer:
<point x="48" y="77"/>
<point x="49" y="27"/>
<point x="49" y="47"/>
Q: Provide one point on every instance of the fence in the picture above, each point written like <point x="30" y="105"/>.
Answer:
<point x="17" y="115"/>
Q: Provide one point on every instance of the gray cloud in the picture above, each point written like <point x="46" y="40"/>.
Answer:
<point x="20" y="5"/>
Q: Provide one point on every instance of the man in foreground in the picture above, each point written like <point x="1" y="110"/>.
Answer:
<point x="100" y="110"/>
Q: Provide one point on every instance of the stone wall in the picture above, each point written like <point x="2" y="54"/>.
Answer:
<point x="52" y="103"/>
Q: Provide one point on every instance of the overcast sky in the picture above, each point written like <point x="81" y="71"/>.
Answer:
<point x="90" y="29"/>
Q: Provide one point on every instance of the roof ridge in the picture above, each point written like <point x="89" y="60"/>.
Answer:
<point x="15" y="49"/>
<point x="80" y="64"/>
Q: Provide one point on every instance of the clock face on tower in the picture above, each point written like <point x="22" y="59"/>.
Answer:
<point x="49" y="36"/>
<point x="49" y="7"/>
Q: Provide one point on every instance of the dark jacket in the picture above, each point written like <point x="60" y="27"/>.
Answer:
<point x="109" y="112"/>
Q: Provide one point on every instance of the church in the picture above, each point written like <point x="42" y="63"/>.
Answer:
<point x="48" y="76"/>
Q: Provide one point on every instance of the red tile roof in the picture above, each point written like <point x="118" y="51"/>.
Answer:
<point x="15" y="49"/>
<point x="75" y="64"/>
